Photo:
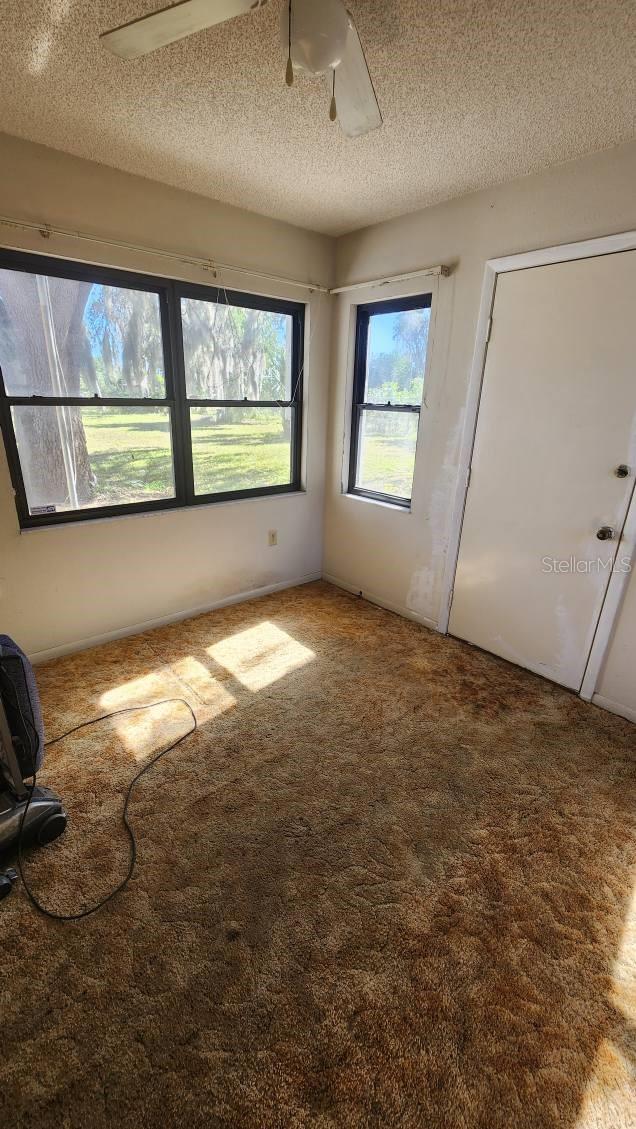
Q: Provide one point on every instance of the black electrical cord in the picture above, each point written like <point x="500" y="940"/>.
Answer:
<point x="131" y="835"/>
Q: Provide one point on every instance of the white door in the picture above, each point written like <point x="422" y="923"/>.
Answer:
<point x="555" y="433"/>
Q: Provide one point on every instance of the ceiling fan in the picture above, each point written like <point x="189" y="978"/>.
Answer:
<point x="320" y="38"/>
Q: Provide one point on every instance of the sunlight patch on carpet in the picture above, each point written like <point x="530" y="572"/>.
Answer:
<point x="144" y="732"/>
<point x="608" y="1101"/>
<point x="261" y="655"/>
<point x="610" y="1095"/>
<point x="207" y="688"/>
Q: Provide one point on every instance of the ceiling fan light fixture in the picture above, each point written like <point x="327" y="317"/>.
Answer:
<point x="318" y="34"/>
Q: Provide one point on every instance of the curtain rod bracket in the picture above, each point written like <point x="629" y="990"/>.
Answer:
<point x="437" y="271"/>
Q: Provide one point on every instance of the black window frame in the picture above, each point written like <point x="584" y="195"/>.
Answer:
<point x="364" y="313"/>
<point x="169" y="291"/>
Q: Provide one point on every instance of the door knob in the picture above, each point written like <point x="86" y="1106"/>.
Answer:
<point x="606" y="533"/>
<point x="622" y="471"/>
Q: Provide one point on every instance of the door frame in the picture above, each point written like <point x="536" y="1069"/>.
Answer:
<point x="546" y="256"/>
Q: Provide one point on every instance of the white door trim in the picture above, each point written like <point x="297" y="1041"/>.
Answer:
<point x="589" y="248"/>
<point x="611" y="605"/>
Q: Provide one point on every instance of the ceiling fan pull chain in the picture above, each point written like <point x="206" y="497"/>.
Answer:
<point x="333" y="109"/>
<point x="289" y="73"/>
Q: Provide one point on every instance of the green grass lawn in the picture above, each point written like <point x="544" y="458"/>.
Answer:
<point x="386" y="466"/>
<point x="386" y="456"/>
<point x="130" y="454"/>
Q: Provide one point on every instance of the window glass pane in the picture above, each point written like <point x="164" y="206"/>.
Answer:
<point x="386" y="452"/>
<point x="74" y="458"/>
<point x="59" y="337"/>
<point x="396" y="357"/>
<point x="233" y="353"/>
<point x="241" y="448"/>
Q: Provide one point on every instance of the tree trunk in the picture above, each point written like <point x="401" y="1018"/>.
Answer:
<point x="29" y="343"/>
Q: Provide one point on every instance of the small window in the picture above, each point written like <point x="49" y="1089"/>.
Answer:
<point x="120" y="392"/>
<point x="390" y="365"/>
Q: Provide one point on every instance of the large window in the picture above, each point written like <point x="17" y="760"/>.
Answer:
<point x="122" y="393"/>
<point x="390" y="364"/>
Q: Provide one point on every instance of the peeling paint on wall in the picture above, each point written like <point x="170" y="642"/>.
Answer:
<point x="425" y="588"/>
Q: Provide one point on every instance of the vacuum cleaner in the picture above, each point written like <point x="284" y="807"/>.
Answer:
<point x="29" y="814"/>
<point x="34" y="815"/>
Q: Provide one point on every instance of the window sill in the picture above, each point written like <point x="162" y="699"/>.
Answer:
<point x="90" y="522"/>
<point x="395" y="507"/>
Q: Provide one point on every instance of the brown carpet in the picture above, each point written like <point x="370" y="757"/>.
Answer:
<point x="388" y="883"/>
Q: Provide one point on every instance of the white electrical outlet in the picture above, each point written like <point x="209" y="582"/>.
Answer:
<point x="272" y="537"/>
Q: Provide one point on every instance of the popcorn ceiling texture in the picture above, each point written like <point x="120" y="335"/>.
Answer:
<point x="473" y="93"/>
<point x="389" y="883"/>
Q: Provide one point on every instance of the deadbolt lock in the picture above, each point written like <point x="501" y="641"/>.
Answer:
<point x="606" y="533"/>
<point x="623" y="471"/>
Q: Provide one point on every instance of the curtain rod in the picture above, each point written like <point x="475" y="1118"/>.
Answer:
<point x="439" y="270"/>
<point x="46" y="230"/>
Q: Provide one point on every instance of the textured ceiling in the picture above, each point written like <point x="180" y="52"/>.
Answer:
<point x="473" y="93"/>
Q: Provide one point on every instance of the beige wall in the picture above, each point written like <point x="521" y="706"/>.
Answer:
<point x="64" y="586"/>
<point x="398" y="558"/>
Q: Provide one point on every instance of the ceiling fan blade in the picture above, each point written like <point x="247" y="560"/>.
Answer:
<point x="159" y="28"/>
<point x="357" y="105"/>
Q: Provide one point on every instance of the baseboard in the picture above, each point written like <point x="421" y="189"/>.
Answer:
<point x="614" y="707"/>
<point x="399" y="609"/>
<point x="175" y="617"/>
